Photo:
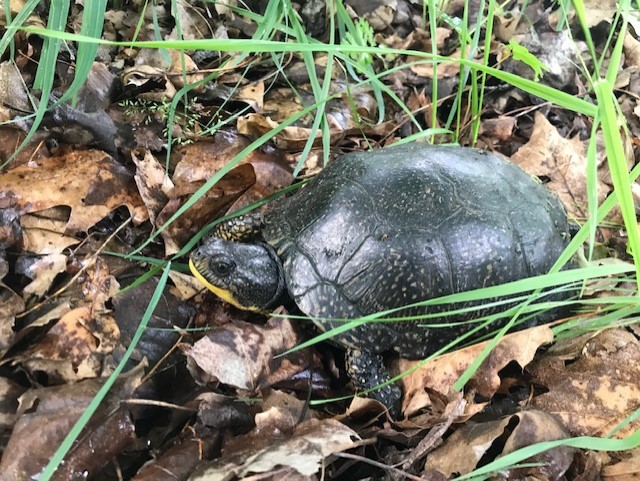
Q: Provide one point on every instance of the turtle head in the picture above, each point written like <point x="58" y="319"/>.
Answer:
<point x="249" y="276"/>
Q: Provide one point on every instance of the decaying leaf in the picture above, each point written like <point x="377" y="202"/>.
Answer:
<point x="9" y="394"/>
<point x="563" y="161"/>
<point x="42" y="271"/>
<point x="153" y="183"/>
<point x="258" y="175"/>
<point x="201" y="160"/>
<point x="11" y="304"/>
<point x="44" y="231"/>
<point x="208" y="207"/>
<point x="474" y="445"/>
<point x="304" y="451"/>
<point x="243" y="355"/>
<point x="74" y="347"/>
<point x="626" y="468"/>
<point x="130" y="306"/>
<point x="91" y="182"/>
<point x="441" y="373"/>
<point x="593" y="382"/>
<point x="45" y="417"/>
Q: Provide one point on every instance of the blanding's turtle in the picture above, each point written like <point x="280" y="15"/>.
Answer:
<point x="383" y="229"/>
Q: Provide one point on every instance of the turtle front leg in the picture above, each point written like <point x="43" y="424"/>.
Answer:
<point x="243" y="228"/>
<point x="367" y="370"/>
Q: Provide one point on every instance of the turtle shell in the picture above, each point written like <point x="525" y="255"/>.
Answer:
<point x="388" y="228"/>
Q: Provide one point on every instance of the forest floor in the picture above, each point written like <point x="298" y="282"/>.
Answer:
<point x="115" y="359"/>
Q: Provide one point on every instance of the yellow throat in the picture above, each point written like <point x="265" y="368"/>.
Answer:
<point x="223" y="294"/>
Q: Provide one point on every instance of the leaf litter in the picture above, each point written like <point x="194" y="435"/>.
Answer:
<point x="209" y="394"/>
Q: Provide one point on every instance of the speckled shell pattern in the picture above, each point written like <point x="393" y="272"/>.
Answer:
<point x="387" y="228"/>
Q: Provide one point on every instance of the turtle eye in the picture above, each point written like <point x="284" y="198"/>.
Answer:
<point x="221" y="266"/>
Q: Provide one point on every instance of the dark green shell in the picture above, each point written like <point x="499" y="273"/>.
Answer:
<point x="387" y="228"/>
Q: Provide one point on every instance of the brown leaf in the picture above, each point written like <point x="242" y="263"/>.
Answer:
<point x="9" y="394"/>
<point x="153" y="183"/>
<point x="201" y="160"/>
<point x="626" y="469"/>
<point x="45" y="417"/>
<point x="598" y="388"/>
<point x="74" y="347"/>
<point x="42" y="271"/>
<point x="474" y="445"/>
<point x="210" y="206"/>
<point x="258" y="175"/>
<point x="289" y="138"/>
<point x="304" y="451"/>
<point x="243" y="355"/>
<point x="91" y="182"/>
<point x="441" y="373"/>
<point x="563" y="161"/>
<point x="10" y="305"/>
<point x="44" y="231"/>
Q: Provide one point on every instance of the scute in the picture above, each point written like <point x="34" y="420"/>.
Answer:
<point x="383" y="229"/>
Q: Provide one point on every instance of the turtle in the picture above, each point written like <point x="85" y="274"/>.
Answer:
<point x="384" y="229"/>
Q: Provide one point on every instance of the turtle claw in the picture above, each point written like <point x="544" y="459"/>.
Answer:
<point x="367" y="370"/>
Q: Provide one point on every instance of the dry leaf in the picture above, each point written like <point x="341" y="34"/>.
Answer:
<point x="474" y="445"/>
<point x="153" y="183"/>
<point x="42" y="271"/>
<point x="305" y="450"/>
<point x="626" y="469"/>
<point x="44" y="231"/>
<point x="11" y="304"/>
<point x="91" y="182"/>
<point x="243" y="355"/>
<point x="563" y="161"/>
<point x="441" y="373"/>
<point x="74" y="347"/>
<point x="593" y="382"/>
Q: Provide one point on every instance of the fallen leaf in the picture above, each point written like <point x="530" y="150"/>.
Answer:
<point x="182" y="69"/>
<point x="593" y="382"/>
<point x="244" y="355"/>
<point x="563" y="161"/>
<point x="163" y="332"/>
<point x="11" y="304"/>
<point x="289" y="138"/>
<point x="151" y="81"/>
<point x="441" y="373"/>
<point x="45" y="417"/>
<point x="42" y="271"/>
<point x="44" y="231"/>
<point x="153" y="183"/>
<point x="9" y="394"/>
<point x="305" y="451"/>
<point x="476" y="444"/>
<point x="625" y="469"/>
<point x="207" y="208"/>
<point x="201" y="160"/>
<point x="91" y="182"/>
<point x="74" y="347"/>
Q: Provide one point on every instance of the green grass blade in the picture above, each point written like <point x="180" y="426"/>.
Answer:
<point x="92" y="23"/>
